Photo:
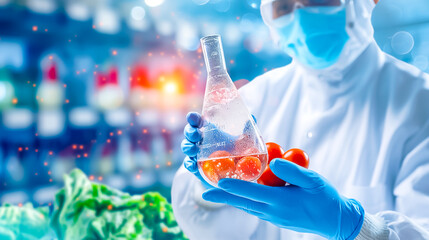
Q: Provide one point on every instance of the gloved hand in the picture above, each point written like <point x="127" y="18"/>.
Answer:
<point x="310" y="204"/>
<point x="193" y="136"/>
<point x="190" y="145"/>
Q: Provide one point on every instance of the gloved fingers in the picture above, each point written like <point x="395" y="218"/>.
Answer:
<point x="194" y="119"/>
<point x="192" y="134"/>
<point x="220" y="196"/>
<point x="295" y="175"/>
<point x="189" y="148"/>
<point x="191" y="164"/>
<point x="249" y="190"/>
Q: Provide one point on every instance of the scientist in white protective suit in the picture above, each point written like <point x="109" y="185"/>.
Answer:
<point x="360" y="114"/>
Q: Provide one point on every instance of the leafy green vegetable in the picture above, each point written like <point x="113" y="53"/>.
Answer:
<point x="24" y="223"/>
<point x="86" y="210"/>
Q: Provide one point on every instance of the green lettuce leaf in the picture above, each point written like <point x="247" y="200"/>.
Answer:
<point x="86" y="210"/>
<point x="24" y="223"/>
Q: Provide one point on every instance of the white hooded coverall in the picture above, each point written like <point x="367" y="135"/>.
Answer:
<point x="364" y="122"/>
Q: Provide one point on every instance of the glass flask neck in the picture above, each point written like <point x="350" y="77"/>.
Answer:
<point x="213" y="55"/>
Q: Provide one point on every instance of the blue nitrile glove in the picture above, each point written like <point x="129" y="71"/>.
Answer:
<point x="190" y="144"/>
<point x="193" y="136"/>
<point x="310" y="204"/>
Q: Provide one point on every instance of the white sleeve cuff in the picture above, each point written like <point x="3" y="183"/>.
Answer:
<point x="373" y="227"/>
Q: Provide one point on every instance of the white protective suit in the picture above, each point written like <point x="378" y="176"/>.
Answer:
<point x="364" y="123"/>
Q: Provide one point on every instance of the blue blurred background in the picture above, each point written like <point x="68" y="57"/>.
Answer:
<point x="104" y="85"/>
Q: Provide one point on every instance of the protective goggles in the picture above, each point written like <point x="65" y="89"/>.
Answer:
<point x="271" y="10"/>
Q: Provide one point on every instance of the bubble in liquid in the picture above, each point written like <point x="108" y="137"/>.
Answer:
<point x="402" y="42"/>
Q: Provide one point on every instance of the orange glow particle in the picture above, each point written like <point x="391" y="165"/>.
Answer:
<point x="51" y="57"/>
<point x="15" y="100"/>
<point x="36" y="150"/>
<point x="91" y="177"/>
<point x="34" y="85"/>
<point x="26" y="148"/>
<point x="85" y="155"/>
<point x="168" y="163"/>
<point x="51" y="153"/>
<point x="144" y="131"/>
<point x="49" y="172"/>
<point x="163" y="130"/>
<point x="149" y="54"/>
<point x="81" y="147"/>
<point x="119" y="132"/>
<point x="110" y="207"/>
<point x="19" y="204"/>
<point x="114" y="52"/>
<point x="20" y="149"/>
<point x="165" y="229"/>
<point x="100" y="178"/>
<point x="108" y="141"/>
<point x="238" y="18"/>
<point x="67" y="101"/>
<point x="78" y="156"/>
<point x="232" y="61"/>
<point x="157" y="166"/>
<point x="74" y="146"/>
<point x="50" y="180"/>
<point x="45" y="163"/>
<point x="111" y="134"/>
<point x="46" y="30"/>
<point x="93" y="26"/>
<point x="138" y="176"/>
<point x="35" y="28"/>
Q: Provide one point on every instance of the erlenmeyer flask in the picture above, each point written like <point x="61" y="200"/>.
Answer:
<point x="232" y="146"/>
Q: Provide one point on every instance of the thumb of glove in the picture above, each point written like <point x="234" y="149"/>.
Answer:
<point x="294" y="174"/>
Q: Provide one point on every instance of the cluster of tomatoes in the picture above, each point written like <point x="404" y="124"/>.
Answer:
<point x="294" y="155"/>
<point x="224" y="165"/>
<point x="251" y="165"/>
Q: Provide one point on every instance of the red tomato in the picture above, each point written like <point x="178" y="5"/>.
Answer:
<point x="209" y="171"/>
<point x="274" y="151"/>
<point x="248" y="168"/>
<point x="268" y="177"/>
<point x="221" y="166"/>
<point x="297" y="156"/>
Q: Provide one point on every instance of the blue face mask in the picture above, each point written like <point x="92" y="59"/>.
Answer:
<point x="314" y="39"/>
